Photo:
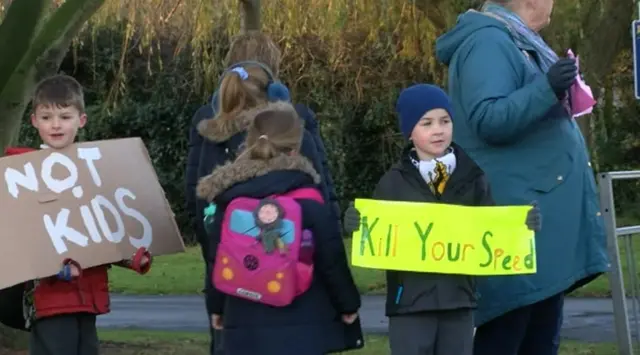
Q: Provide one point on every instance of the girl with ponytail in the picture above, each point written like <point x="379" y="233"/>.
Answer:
<point x="323" y="319"/>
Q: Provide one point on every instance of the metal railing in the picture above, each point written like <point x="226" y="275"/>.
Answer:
<point x="616" y="279"/>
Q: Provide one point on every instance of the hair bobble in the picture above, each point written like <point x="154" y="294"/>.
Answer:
<point x="241" y="72"/>
<point x="264" y="136"/>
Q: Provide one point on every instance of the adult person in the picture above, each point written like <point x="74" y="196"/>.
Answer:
<point x="509" y="92"/>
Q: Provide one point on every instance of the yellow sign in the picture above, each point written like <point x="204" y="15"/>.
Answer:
<point x="447" y="239"/>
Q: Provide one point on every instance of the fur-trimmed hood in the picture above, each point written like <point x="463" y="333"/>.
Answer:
<point x="222" y="129"/>
<point x="244" y="169"/>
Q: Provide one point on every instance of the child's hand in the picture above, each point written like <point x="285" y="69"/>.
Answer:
<point x="349" y="318"/>
<point x="141" y="261"/>
<point x="144" y="261"/>
<point x="69" y="271"/>
<point x="75" y="272"/>
<point x="216" y="322"/>
<point x="534" y="217"/>
<point x="351" y="221"/>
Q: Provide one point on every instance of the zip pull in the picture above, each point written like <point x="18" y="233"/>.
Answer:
<point x="399" y="294"/>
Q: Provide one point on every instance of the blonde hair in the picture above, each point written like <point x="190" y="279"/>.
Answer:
<point x="59" y="90"/>
<point x="275" y="130"/>
<point x="237" y="94"/>
<point x="254" y="46"/>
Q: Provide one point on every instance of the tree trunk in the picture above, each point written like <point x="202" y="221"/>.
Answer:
<point x="602" y="47"/>
<point x="250" y="14"/>
<point x="57" y="34"/>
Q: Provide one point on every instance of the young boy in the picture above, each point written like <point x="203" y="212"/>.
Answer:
<point x="431" y="314"/>
<point x="60" y="311"/>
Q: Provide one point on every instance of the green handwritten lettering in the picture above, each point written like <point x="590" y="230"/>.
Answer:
<point x="505" y="262"/>
<point x="530" y="259"/>
<point x="449" y="253"/>
<point x="487" y="248"/>
<point x="423" y="237"/>
<point x="501" y="259"/>
<point x="366" y="235"/>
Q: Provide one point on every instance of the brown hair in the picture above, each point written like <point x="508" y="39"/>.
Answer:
<point x="254" y="46"/>
<point x="237" y="94"/>
<point x="59" y="90"/>
<point x="275" y="130"/>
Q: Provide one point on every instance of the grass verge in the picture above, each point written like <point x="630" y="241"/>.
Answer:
<point x="130" y="342"/>
<point x="178" y="274"/>
<point x="600" y="287"/>
<point x="139" y="342"/>
<point x="182" y="274"/>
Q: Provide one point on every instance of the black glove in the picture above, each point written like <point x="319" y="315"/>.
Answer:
<point x="562" y="75"/>
<point x="534" y="217"/>
<point x="351" y="221"/>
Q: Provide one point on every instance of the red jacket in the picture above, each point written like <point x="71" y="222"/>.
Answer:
<point x="87" y="293"/>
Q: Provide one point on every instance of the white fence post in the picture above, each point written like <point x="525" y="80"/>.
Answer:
<point x="616" y="280"/>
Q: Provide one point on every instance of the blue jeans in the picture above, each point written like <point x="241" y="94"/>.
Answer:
<point x="530" y="330"/>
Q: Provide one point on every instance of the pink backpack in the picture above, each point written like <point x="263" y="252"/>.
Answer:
<point x="264" y="255"/>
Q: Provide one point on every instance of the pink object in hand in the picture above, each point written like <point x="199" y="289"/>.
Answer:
<point x="582" y="100"/>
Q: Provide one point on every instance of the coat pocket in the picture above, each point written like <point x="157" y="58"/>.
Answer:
<point x="555" y="172"/>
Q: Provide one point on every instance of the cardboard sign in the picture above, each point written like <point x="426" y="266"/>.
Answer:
<point x="94" y="202"/>
<point x="446" y="239"/>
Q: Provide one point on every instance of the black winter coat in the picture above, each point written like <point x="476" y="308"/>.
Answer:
<point x="311" y="125"/>
<point x="206" y="154"/>
<point x="312" y="324"/>
<point x="414" y="292"/>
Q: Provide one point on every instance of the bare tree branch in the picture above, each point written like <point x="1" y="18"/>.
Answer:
<point x="606" y="28"/>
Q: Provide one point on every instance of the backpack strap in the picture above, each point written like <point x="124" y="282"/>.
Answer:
<point x="306" y="193"/>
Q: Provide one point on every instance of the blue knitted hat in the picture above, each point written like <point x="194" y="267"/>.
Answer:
<point x="415" y="101"/>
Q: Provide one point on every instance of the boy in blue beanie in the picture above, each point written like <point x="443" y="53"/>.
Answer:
<point x="431" y="314"/>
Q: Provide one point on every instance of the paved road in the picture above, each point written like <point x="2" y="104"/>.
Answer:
<point x="585" y="319"/>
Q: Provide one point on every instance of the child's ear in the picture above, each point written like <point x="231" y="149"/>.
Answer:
<point x="83" y="120"/>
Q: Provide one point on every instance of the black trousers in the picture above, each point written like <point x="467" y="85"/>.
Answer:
<point x="530" y="330"/>
<point x="215" y="347"/>
<point x="72" y="334"/>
